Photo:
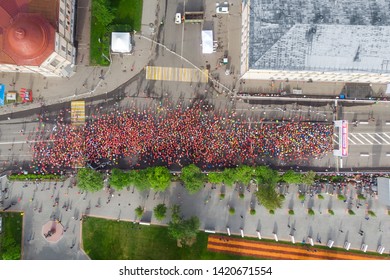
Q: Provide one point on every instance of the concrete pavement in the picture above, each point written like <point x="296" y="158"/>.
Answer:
<point x="37" y="200"/>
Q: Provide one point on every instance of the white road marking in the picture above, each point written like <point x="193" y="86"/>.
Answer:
<point x="382" y="138"/>
<point x="350" y="140"/>
<point x="365" y="138"/>
<point x="24" y="142"/>
<point x="357" y="138"/>
<point x="373" y="138"/>
<point x="386" y="135"/>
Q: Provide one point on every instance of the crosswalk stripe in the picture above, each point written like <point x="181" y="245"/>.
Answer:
<point x="382" y="138"/>
<point x="356" y="138"/>
<point x="353" y="142"/>
<point x="373" y="138"/>
<point x="386" y="135"/>
<point x="365" y="138"/>
<point x="176" y="74"/>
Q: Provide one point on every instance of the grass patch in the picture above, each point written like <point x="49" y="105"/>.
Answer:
<point x="221" y="196"/>
<point x="252" y="212"/>
<point x="232" y="210"/>
<point x="11" y="236"/>
<point x="320" y="196"/>
<point x="272" y="212"/>
<point x="241" y="195"/>
<point x="33" y="177"/>
<point x="350" y="212"/>
<point x="302" y="196"/>
<point x="112" y="240"/>
<point x="291" y="212"/>
<point x="331" y="212"/>
<point x="310" y="212"/>
<point x="361" y="197"/>
<point x="100" y="43"/>
<point x="128" y="12"/>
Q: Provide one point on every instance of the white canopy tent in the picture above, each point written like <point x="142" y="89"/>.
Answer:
<point x="121" y="42"/>
<point x="207" y="41"/>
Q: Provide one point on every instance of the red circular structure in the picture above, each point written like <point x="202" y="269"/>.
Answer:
<point x="29" y="39"/>
<point x="52" y="231"/>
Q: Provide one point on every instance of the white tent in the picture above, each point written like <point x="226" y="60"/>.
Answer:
<point x="121" y="42"/>
<point x="207" y="41"/>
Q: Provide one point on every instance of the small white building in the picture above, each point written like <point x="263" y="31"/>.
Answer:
<point x="207" y="41"/>
<point x="121" y="42"/>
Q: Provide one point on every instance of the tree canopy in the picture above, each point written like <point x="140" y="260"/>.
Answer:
<point x="244" y="174"/>
<point x="160" y="211"/>
<point x="229" y="176"/>
<point x="102" y="12"/>
<point x="308" y="178"/>
<point x="268" y="197"/>
<point x="119" y="179"/>
<point x="292" y="177"/>
<point x="159" y="177"/>
<point x="192" y="177"/>
<point x="215" y="178"/>
<point x="139" y="179"/>
<point x="183" y="230"/>
<point x="89" y="180"/>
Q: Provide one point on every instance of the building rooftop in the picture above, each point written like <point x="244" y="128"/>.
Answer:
<point x="26" y="36"/>
<point x="320" y="35"/>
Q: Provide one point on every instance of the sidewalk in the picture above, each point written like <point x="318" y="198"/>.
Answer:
<point x="88" y="80"/>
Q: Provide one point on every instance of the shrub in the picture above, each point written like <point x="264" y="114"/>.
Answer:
<point x="241" y="195"/>
<point x="302" y="196"/>
<point x="341" y="197"/>
<point x="272" y="211"/>
<point x="252" y="212"/>
<point x="350" y="212"/>
<point x="310" y="212"/>
<point x="320" y="196"/>
<point x="361" y="197"/>
<point x="331" y="212"/>
<point x="139" y="211"/>
<point x="232" y="210"/>
<point x="222" y="196"/>
<point x="371" y="213"/>
<point x="282" y="197"/>
<point x="291" y="212"/>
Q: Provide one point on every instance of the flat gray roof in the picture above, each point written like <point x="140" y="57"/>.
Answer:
<point x="320" y="35"/>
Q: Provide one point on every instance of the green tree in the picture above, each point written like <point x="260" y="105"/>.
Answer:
<point x="229" y="176"/>
<point x="119" y="179"/>
<point x="139" y="211"/>
<point x="159" y="177"/>
<point x="176" y="215"/>
<point x="244" y="174"/>
<point x="184" y="231"/>
<point x="160" y="211"/>
<point x="102" y="12"/>
<point x="292" y="177"/>
<point x="308" y="178"/>
<point x="266" y="175"/>
<point x="268" y="197"/>
<point x="138" y="179"/>
<point x="215" y="178"/>
<point x="192" y="177"/>
<point x="89" y="180"/>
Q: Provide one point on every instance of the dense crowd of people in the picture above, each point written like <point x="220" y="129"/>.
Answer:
<point x="179" y="135"/>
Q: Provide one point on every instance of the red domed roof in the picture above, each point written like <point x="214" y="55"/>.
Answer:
<point x="29" y="39"/>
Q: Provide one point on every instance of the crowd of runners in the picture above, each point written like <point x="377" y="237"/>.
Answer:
<point x="180" y="135"/>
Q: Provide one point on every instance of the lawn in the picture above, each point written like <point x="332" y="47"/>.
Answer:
<point x="11" y="236"/>
<point x="112" y="240"/>
<point x="128" y="15"/>
<point x="128" y="12"/>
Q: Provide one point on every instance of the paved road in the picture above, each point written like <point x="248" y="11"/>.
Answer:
<point x="207" y="205"/>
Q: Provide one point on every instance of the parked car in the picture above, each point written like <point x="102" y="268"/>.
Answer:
<point x="222" y="10"/>
<point x="178" y="18"/>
